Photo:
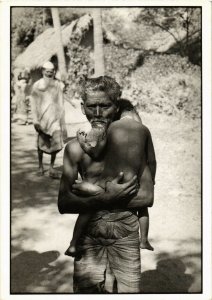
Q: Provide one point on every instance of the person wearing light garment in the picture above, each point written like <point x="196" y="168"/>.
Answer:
<point x="126" y="176"/>
<point x="48" y="113"/>
<point x="21" y="97"/>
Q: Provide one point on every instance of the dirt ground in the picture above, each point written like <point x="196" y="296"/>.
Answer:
<point x="40" y="235"/>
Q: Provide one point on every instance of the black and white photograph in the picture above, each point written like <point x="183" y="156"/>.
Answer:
<point x="107" y="110"/>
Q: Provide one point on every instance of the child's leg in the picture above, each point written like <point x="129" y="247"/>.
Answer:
<point x="143" y="216"/>
<point x="79" y="228"/>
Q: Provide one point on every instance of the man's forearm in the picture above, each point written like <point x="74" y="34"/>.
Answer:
<point x="115" y="195"/>
<point x="152" y="166"/>
<point x="138" y="203"/>
<point x="142" y="199"/>
<point x="70" y="203"/>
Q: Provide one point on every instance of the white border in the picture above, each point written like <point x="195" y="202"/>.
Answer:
<point x="5" y="143"/>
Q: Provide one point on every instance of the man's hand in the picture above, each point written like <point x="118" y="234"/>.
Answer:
<point x="38" y="127"/>
<point x="115" y="190"/>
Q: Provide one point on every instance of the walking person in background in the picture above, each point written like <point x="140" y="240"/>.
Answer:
<point x="48" y="113"/>
<point x="21" y="97"/>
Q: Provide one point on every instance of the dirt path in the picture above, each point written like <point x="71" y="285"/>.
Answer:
<point x="40" y="234"/>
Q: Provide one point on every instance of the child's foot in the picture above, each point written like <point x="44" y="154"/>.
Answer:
<point x="146" y="245"/>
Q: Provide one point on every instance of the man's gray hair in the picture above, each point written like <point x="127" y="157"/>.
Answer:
<point x="104" y="84"/>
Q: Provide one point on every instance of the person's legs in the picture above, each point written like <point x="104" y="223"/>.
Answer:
<point x="53" y="157"/>
<point x="143" y="215"/>
<point x="52" y="172"/>
<point x="89" y="269"/>
<point x="51" y="145"/>
<point x="124" y="260"/>
<point x="40" y="162"/>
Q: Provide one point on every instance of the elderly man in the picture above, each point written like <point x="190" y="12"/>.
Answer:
<point x="48" y="112"/>
<point x="112" y="233"/>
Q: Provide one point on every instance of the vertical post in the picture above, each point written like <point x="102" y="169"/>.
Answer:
<point x="58" y="37"/>
<point x="99" y="66"/>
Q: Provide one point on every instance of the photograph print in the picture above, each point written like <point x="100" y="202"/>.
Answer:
<point x="106" y="150"/>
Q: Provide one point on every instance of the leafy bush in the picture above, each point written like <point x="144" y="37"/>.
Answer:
<point x="120" y="61"/>
<point x="167" y="84"/>
<point x="80" y="65"/>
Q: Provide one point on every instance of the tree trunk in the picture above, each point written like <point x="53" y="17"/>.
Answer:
<point x="58" y="37"/>
<point x="99" y="66"/>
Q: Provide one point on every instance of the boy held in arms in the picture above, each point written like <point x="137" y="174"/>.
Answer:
<point x="97" y="143"/>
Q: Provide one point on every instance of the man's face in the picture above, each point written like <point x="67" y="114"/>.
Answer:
<point x="99" y="109"/>
<point x="49" y="73"/>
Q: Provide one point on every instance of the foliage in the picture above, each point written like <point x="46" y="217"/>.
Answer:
<point x="159" y="29"/>
<point x="121" y="23"/>
<point x="178" y="22"/>
<point x="166" y="84"/>
<point x="120" y="61"/>
<point x="29" y="22"/>
<point x="80" y="65"/>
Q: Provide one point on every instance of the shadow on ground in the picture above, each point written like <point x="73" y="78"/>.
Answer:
<point x="28" y="189"/>
<point x="33" y="272"/>
<point x="170" y="275"/>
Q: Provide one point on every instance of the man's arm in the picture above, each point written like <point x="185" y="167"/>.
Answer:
<point x="145" y="195"/>
<point x="34" y="108"/>
<point x="151" y="159"/>
<point x="68" y="202"/>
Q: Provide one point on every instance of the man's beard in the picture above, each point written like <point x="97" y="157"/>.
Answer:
<point x="99" y="123"/>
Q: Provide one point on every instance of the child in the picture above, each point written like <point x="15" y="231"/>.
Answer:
<point x="93" y="144"/>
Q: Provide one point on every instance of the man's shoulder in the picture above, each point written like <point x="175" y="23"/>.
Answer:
<point x="38" y="83"/>
<point x="145" y="127"/>
<point x="73" y="150"/>
<point x="128" y="122"/>
<point x="145" y="130"/>
<point x="129" y="126"/>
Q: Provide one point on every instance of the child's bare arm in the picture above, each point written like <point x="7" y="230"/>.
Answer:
<point x="85" y="188"/>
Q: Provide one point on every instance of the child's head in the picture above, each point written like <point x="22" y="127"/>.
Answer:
<point x="93" y="142"/>
<point x="126" y="109"/>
